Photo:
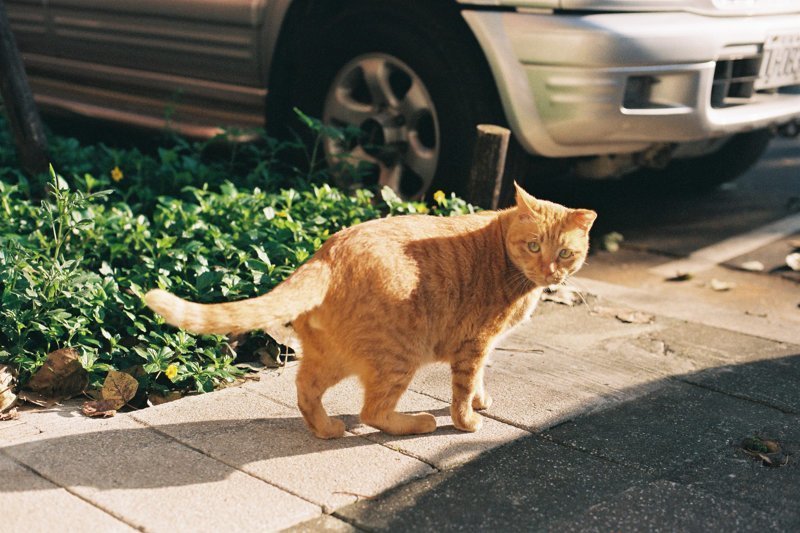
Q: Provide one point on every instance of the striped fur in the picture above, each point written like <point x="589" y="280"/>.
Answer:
<point x="382" y="298"/>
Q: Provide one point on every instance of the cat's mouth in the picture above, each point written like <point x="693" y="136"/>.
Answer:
<point x="553" y="281"/>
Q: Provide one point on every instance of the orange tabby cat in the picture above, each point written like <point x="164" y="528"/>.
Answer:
<point x="382" y="298"/>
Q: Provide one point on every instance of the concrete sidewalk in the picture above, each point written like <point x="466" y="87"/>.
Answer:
<point x="242" y="459"/>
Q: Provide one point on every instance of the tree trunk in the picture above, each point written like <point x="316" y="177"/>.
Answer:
<point x="23" y="115"/>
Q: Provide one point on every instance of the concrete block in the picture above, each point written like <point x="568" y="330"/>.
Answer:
<point x="668" y="506"/>
<point x="33" y="504"/>
<point x="151" y="481"/>
<point x="271" y="442"/>
<point x="445" y="448"/>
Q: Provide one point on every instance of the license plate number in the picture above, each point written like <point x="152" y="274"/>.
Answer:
<point x="781" y="63"/>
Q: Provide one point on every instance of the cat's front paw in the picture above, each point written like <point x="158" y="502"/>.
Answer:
<point x="426" y="423"/>
<point x="470" y="423"/>
<point x="482" y="402"/>
<point x="333" y="430"/>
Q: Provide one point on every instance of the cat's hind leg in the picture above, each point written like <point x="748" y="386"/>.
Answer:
<point x="382" y="390"/>
<point x="316" y="375"/>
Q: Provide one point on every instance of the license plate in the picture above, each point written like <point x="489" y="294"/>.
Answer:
<point x="781" y="64"/>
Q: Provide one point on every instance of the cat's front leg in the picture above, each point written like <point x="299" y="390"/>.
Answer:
<point x="467" y="375"/>
<point x="481" y="400"/>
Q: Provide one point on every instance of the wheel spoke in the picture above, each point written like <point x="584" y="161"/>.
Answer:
<point x="415" y="102"/>
<point x="345" y="110"/>
<point x="390" y="175"/>
<point x="421" y="160"/>
<point x="358" y="154"/>
<point x="376" y="74"/>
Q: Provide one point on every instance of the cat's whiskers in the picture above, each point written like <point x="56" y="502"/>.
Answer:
<point x="518" y="282"/>
<point x="578" y="291"/>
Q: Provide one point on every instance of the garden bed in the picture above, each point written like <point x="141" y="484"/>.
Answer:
<point x="210" y="224"/>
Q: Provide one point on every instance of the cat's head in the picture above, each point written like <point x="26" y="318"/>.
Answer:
<point x="547" y="241"/>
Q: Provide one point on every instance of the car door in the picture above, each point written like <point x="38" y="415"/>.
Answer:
<point x="201" y="39"/>
<point x="28" y="22"/>
<point x="190" y="63"/>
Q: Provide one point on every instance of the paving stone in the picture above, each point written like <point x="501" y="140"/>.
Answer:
<point x="271" y="442"/>
<point x="33" y="504"/>
<point x="323" y="524"/>
<point x="529" y="402"/>
<point x="668" y="428"/>
<point x="554" y="326"/>
<point x="735" y="475"/>
<point x="773" y="382"/>
<point x="444" y="448"/>
<point x="150" y="481"/>
<point x="667" y="506"/>
<point x="711" y="347"/>
<point x="519" y="487"/>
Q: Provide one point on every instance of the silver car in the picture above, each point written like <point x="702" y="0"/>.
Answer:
<point x="683" y="90"/>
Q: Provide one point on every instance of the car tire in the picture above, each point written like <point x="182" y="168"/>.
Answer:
<point x="706" y="173"/>
<point x="429" y="44"/>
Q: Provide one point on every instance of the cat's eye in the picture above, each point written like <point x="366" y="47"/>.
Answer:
<point x="534" y="247"/>
<point x="565" y="254"/>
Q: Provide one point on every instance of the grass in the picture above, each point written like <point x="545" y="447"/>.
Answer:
<point x="206" y="223"/>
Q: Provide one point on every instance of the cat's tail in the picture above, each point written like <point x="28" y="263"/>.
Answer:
<point x="272" y="312"/>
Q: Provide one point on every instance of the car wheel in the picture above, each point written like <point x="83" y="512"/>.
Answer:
<point x="412" y="80"/>
<point x="706" y="173"/>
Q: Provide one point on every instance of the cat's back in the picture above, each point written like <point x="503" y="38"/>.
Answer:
<point x="401" y="231"/>
<point x="392" y="252"/>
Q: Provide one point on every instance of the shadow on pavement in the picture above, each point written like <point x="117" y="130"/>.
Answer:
<point x="670" y="460"/>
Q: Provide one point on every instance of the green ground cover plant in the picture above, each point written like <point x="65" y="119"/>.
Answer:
<point x="206" y="223"/>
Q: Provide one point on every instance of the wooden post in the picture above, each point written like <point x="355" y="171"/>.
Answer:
<point x="488" y="166"/>
<point x="23" y="115"/>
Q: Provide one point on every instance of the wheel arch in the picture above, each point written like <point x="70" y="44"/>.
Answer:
<point x="289" y="20"/>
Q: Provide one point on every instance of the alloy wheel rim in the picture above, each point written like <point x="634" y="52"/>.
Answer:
<point x="399" y="142"/>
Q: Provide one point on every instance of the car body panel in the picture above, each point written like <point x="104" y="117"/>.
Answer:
<point x="194" y="65"/>
<point x="562" y="78"/>
<point x="705" y="7"/>
<point x="199" y="65"/>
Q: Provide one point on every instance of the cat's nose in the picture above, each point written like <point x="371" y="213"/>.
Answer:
<point x="551" y="268"/>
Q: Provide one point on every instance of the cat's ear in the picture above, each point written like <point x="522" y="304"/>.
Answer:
<point x="583" y="218"/>
<point x="525" y="202"/>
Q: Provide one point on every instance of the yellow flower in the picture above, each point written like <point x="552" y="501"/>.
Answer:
<point x="172" y="371"/>
<point x="116" y="174"/>
<point x="439" y="197"/>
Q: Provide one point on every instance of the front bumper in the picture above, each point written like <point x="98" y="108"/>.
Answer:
<point x="563" y="78"/>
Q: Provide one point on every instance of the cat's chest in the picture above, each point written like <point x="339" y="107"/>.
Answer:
<point x="522" y="309"/>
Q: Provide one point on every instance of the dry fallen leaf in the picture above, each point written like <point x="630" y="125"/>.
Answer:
<point x="158" y="399"/>
<point x="62" y="376"/>
<point x="104" y="408"/>
<point x="11" y="414"/>
<point x="793" y="261"/>
<point x="753" y="266"/>
<point x="37" y="399"/>
<point x="119" y="388"/>
<point x="563" y="295"/>
<point x="769" y="451"/>
<point x="629" y="316"/>
<point x="7" y="396"/>
<point x="720" y="286"/>
<point x="680" y="276"/>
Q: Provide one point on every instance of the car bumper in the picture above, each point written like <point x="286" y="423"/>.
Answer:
<point x="569" y="83"/>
